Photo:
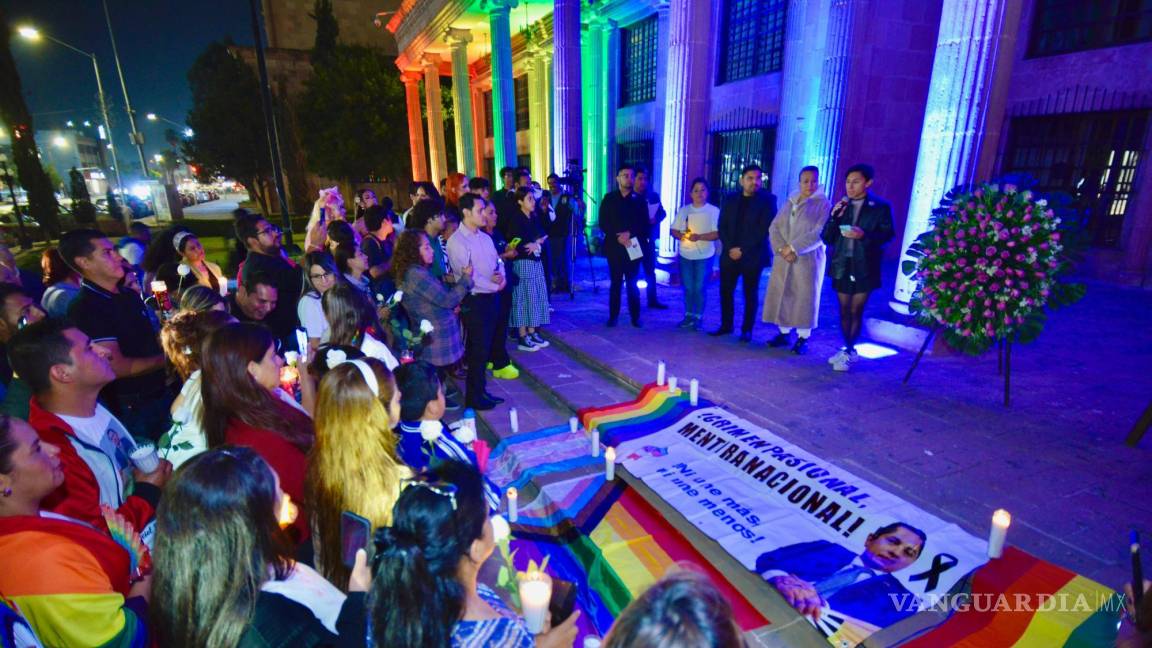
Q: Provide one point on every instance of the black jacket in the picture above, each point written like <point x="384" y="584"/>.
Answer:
<point x="747" y="230"/>
<point x="876" y="221"/>
<point x="622" y="214"/>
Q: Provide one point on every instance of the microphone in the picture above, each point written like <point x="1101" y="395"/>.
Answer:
<point x="840" y="206"/>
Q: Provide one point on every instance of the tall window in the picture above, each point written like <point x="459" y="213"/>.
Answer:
<point x="1092" y="157"/>
<point x="1061" y="26"/>
<point x="638" y="153"/>
<point x="488" y="129"/>
<point x="638" y="62"/>
<point x="733" y="150"/>
<point x="753" y="38"/>
<point x="520" y="88"/>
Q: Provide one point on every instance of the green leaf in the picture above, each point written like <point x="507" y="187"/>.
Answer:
<point x="908" y="268"/>
<point x="164" y="440"/>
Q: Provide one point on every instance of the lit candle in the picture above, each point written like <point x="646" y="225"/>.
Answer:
<point x="573" y="424"/>
<point x="672" y="384"/>
<point x="694" y="392"/>
<point x="595" y="442"/>
<point x="610" y="464"/>
<point x="513" y="509"/>
<point x="288" y="512"/>
<point x="660" y="372"/>
<point x="535" y="594"/>
<point x="1001" y="519"/>
<point x="514" y="420"/>
<point x="160" y="292"/>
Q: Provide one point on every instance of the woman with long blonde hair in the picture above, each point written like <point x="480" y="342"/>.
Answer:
<point x="353" y="466"/>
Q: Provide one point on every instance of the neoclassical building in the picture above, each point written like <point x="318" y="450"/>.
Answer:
<point x="932" y="93"/>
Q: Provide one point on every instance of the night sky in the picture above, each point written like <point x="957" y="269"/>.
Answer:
<point x="157" y="40"/>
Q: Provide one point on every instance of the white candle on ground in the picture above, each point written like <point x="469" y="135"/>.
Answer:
<point x="514" y="420"/>
<point x="1001" y="519"/>
<point x="660" y="372"/>
<point x="535" y="594"/>
<point x="610" y="464"/>
<point x="573" y="424"/>
<point x="672" y="384"/>
<point x="694" y="392"/>
<point x="513" y="507"/>
<point x="595" y="442"/>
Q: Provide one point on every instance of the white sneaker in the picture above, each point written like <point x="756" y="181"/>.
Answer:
<point x="842" y="363"/>
<point x="539" y="341"/>
<point x="526" y="344"/>
<point x="839" y="356"/>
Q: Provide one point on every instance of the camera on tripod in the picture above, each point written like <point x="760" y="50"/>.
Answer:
<point x="573" y="178"/>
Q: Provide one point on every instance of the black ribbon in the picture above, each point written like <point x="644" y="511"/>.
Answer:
<point x="940" y="564"/>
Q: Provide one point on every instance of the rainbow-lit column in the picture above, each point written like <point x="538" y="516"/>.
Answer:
<point x="437" y="154"/>
<point x="566" y="74"/>
<point x="503" y="92"/>
<point x="595" y="104"/>
<point x="538" y="64"/>
<point x="462" y="100"/>
<point x="825" y="144"/>
<point x="804" y="31"/>
<point x="415" y="125"/>
<point x="686" y="106"/>
<point x="955" y="115"/>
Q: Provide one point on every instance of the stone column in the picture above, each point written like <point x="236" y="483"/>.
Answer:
<point x="437" y="153"/>
<point x="538" y="113"/>
<point x="479" y="134"/>
<point x="833" y="88"/>
<point x="955" y="115"/>
<point x="686" y="108"/>
<point x="594" y="150"/>
<point x="462" y="101"/>
<point x="415" y="126"/>
<point x="503" y="91"/>
<point x="805" y="29"/>
<point x="566" y="72"/>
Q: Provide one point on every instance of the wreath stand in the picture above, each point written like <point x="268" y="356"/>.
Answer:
<point x="1004" y="368"/>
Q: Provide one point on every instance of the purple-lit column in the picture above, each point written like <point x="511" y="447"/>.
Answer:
<point x="825" y="144"/>
<point x="955" y="115"/>
<point x="804" y="30"/>
<point x="415" y="126"/>
<point x="686" y="105"/>
<point x="566" y="73"/>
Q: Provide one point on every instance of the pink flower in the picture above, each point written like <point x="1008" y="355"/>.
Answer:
<point x="960" y="234"/>
<point x="968" y="317"/>
<point x="990" y="251"/>
<point x="994" y="287"/>
<point x="1005" y="254"/>
<point x="1001" y="306"/>
<point x="961" y="262"/>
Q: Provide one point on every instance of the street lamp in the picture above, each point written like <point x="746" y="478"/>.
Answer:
<point x="154" y="117"/>
<point x="32" y="34"/>
<point x="7" y="178"/>
<point x="59" y="141"/>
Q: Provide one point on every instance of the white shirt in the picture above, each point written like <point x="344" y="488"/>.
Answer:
<point x="187" y="423"/>
<point x="374" y="348"/>
<point x="105" y="432"/>
<point x="474" y="248"/>
<point x="698" y="220"/>
<point x="310" y="310"/>
<point x="308" y="588"/>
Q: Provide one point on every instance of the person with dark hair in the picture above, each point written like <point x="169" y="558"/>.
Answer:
<point x="158" y="254"/>
<point x="810" y="575"/>
<point x="623" y="217"/>
<point x="353" y="265"/>
<point x="71" y="581"/>
<point x="744" y="222"/>
<point x="225" y="576"/>
<point x="17" y="310"/>
<point x="695" y="225"/>
<point x="508" y="177"/>
<point x="428" y="298"/>
<point x="365" y="199"/>
<point x="479" y="186"/>
<point x="417" y="192"/>
<point x="859" y="228"/>
<point x="322" y="274"/>
<point x="62" y="284"/>
<point x="498" y="360"/>
<point x="650" y="236"/>
<point x="66" y="371"/>
<point x="244" y="405"/>
<point x="256" y="297"/>
<point x="379" y="241"/>
<point x="682" y="609"/>
<point x="428" y="215"/>
<point x="352" y="321"/>
<point x="341" y="233"/>
<point x="530" y="292"/>
<point x="201" y="298"/>
<point x="191" y="268"/>
<point x="265" y="256"/>
<point x="424" y="586"/>
<point x="471" y="247"/>
<point x="116" y="318"/>
<point x="792" y="300"/>
<point x="568" y="210"/>
<point x="183" y="339"/>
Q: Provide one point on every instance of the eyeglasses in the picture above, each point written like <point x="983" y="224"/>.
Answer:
<point x="271" y="229"/>
<point x="443" y="489"/>
<point x="318" y="277"/>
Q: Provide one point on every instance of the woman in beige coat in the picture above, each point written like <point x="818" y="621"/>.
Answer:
<point x="792" y="300"/>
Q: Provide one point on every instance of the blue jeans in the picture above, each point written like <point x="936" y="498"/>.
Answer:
<point x="694" y="276"/>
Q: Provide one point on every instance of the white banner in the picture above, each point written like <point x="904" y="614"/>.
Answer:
<point x="849" y="555"/>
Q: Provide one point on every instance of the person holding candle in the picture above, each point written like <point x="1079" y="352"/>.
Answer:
<point x="72" y="582"/>
<point x="792" y="300"/>
<point x="682" y="609"/>
<point x="224" y="574"/>
<point x="425" y="590"/>
<point x="695" y="226"/>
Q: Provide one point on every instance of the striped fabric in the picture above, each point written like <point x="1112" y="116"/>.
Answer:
<point x="508" y="631"/>
<point x="529" y="295"/>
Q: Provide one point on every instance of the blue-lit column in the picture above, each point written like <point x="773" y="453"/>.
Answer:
<point x="825" y="144"/>
<point x="955" y="115"/>
<point x="462" y="100"/>
<point x="503" y="92"/>
<point x="686" y="106"/>
<point x="566" y="73"/>
<point x="437" y="153"/>
<point x="805" y="27"/>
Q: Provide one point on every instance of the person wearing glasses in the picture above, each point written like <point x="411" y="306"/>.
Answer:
<point x="266" y="256"/>
<point x="425" y="590"/>
<point x="321" y="276"/>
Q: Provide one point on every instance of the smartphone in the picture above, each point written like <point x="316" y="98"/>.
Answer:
<point x="302" y="344"/>
<point x="563" y="600"/>
<point x="355" y="531"/>
<point x="515" y="242"/>
<point x="323" y="215"/>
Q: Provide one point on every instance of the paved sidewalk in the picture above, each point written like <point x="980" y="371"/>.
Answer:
<point x="1055" y="459"/>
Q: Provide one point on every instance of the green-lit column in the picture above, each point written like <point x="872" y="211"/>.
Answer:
<point x="538" y="64"/>
<point x="595" y="104"/>
<point x="462" y="100"/>
<point x="503" y="92"/>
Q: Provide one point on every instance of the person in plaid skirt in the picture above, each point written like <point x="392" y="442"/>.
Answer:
<point x="530" y="294"/>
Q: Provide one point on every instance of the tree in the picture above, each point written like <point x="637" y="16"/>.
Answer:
<point x="228" y="121"/>
<point x="350" y="116"/>
<point x="42" y="205"/>
<point x="82" y="209"/>
<point x="327" y="31"/>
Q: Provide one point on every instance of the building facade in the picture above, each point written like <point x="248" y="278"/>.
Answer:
<point x="932" y="93"/>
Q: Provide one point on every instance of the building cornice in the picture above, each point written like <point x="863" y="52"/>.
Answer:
<point x="421" y="23"/>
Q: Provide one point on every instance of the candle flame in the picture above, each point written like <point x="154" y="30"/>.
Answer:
<point x="610" y="454"/>
<point x="288" y="511"/>
<point x="1001" y="518"/>
<point x="511" y="493"/>
<point x="159" y="287"/>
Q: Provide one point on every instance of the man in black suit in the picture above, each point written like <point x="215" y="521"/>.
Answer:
<point x="744" y="221"/>
<point x="623" y="216"/>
